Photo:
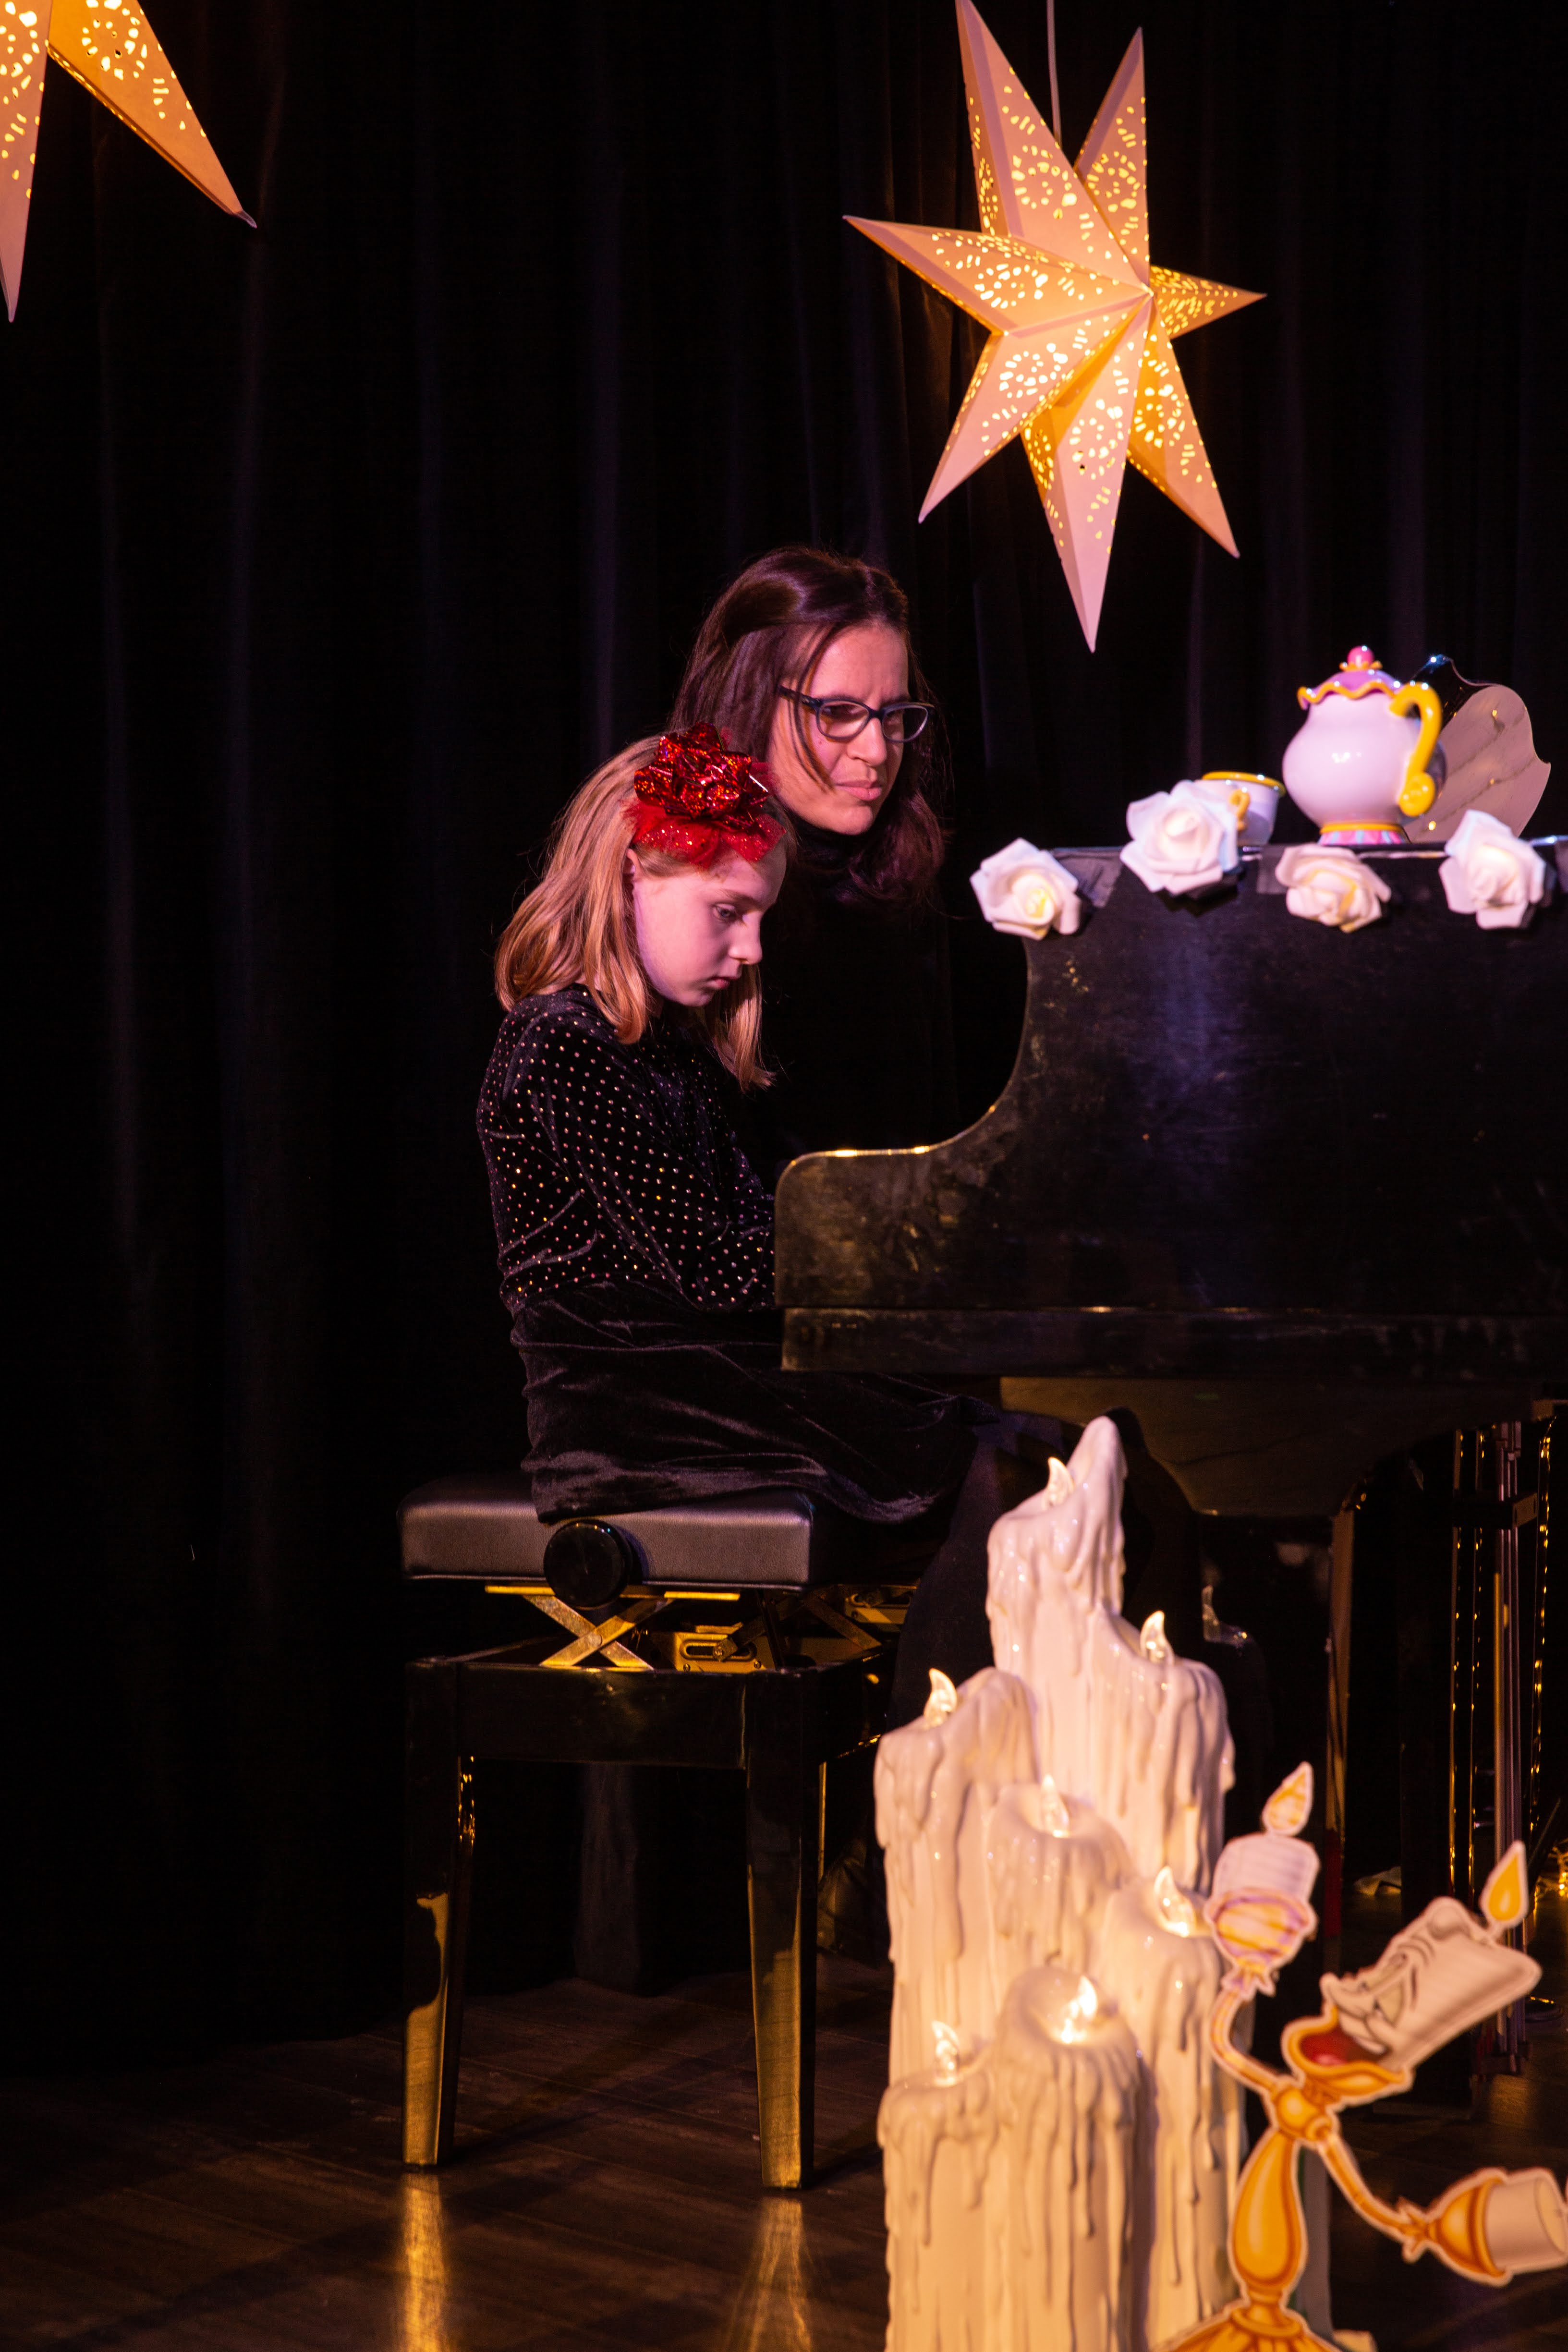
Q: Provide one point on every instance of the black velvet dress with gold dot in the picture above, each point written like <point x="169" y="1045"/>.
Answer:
<point x="636" y="1253"/>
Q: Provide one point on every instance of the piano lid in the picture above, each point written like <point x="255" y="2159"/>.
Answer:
<point x="1234" y="1142"/>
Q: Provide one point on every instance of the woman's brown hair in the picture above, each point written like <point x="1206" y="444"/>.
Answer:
<point x="769" y="629"/>
<point x="576" y="925"/>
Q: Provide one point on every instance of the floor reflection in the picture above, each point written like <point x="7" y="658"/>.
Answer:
<point x="424" y="2308"/>
<point x="771" y="2311"/>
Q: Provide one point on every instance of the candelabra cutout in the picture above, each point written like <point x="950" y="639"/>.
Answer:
<point x="1439" y="1976"/>
<point x="1080" y="360"/>
<point x="108" y="47"/>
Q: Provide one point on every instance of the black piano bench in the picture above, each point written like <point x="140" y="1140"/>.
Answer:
<point x="725" y="1633"/>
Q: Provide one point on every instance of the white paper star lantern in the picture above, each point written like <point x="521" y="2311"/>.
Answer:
<point x="1079" y="360"/>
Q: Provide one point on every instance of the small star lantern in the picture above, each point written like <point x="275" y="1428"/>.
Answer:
<point x="1079" y="360"/>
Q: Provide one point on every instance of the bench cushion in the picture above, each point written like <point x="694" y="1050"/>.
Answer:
<point x="484" y="1527"/>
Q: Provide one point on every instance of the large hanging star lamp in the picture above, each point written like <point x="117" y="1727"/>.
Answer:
<point x="108" y="47"/>
<point x="1079" y="359"/>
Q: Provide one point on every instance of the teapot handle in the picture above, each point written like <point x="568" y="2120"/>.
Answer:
<point x="1418" y="792"/>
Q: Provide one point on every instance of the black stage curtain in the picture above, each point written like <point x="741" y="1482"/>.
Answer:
<point x="334" y="553"/>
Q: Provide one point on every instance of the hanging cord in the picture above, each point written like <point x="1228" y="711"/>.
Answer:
<point x="1051" y="62"/>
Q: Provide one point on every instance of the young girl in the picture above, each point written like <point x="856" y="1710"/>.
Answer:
<point x="636" y="1244"/>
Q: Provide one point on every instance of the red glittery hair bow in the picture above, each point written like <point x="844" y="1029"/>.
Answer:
<point x="699" y="800"/>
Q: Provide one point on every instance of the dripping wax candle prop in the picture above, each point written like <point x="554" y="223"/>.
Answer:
<point x="1139" y="1734"/>
<point x="1036" y="1822"/>
<point x="936" y="1782"/>
<point x="989" y="1871"/>
<point x="1012" y="2198"/>
<point x="937" y="2129"/>
<point x="1158" y="1961"/>
<point x="1122" y="1722"/>
<point x="1061" y="2226"/>
<point x="1053" y="1865"/>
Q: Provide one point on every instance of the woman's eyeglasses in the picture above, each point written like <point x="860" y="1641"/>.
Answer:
<point x="841" y="720"/>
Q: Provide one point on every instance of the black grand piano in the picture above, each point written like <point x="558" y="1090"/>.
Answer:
<point x="1298" y="1198"/>
<point x="1301" y="1195"/>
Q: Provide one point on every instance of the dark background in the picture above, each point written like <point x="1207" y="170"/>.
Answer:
<point x="333" y="554"/>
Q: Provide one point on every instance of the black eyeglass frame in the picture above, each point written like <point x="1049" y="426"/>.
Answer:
<point x="818" y="703"/>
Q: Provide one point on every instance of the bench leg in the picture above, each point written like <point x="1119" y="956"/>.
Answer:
<point x="782" y="1833"/>
<point x="438" y="1842"/>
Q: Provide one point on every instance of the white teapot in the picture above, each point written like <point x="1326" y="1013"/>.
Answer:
<point x="1357" y="766"/>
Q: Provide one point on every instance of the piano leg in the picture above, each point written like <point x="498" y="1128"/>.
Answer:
<point x="783" y="1863"/>
<point x="439" y="1857"/>
<point x="1424" y="1576"/>
<point x="1343" y="1572"/>
<point x="1423" y="1545"/>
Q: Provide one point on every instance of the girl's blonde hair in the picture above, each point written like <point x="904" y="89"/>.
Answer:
<point x="576" y="924"/>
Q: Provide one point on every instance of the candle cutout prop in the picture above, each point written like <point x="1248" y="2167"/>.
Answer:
<point x="1079" y="360"/>
<point x="1440" y="1974"/>
<point x="1161" y="1965"/>
<point x="1050" y="1830"/>
<point x="1067" y="2164"/>
<point x="936" y="1783"/>
<point x="936" y="2129"/>
<point x="1012" y="2183"/>
<point x="1122" y="1722"/>
<point x="1054" y="1863"/>
<point x="108" y="47"/>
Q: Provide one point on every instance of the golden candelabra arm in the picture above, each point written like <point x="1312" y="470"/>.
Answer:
<point x="1267" y="2230"/>
<point x="1342" y="2166"/>
<point x="1236" y="2061"/>
<point x="1453" y="2229"/>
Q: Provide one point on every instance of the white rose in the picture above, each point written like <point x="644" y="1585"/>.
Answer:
<point x="1024" y="890"/>
<point x="1330" y="885"/>
<point x="1183" y="840"/>
<point x="1488" y="874"/>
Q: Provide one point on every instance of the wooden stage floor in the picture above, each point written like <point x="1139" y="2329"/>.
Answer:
<point x="604" y="2194"/>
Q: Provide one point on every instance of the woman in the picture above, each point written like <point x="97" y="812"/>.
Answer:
<point x="806" y="661"/>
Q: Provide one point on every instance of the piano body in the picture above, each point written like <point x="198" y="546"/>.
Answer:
<point x="1299" y="1199"/>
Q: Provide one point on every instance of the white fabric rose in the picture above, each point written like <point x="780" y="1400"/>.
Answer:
<point x="1490" y="874"/>
<point x="1327" y="884"/>
<point x="1183" y="840"/>
<point x="1024" y="890"/>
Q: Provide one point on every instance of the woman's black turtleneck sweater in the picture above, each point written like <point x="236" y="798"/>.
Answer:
<point x="857" y="1021"/>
